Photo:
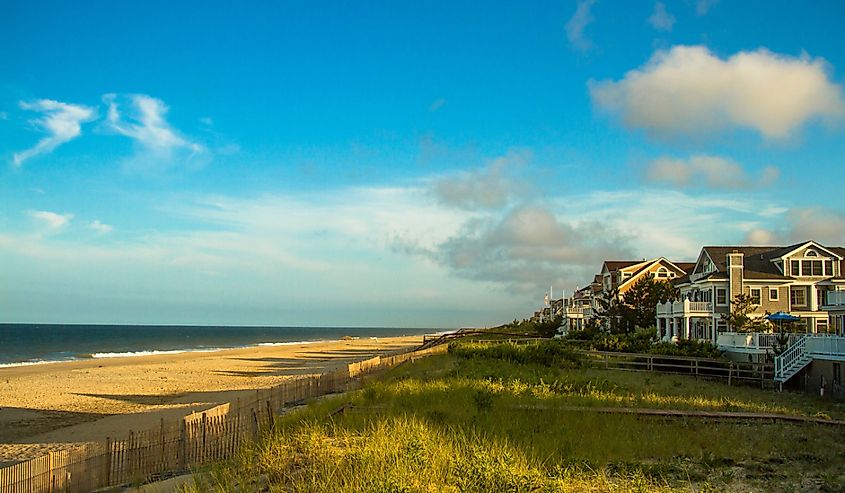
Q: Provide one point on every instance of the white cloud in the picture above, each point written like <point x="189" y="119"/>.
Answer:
<point x="660" y="18"/>
<point x="61" y="121"/>
<point x="100" y="227"/>
<point x="146" y="124"/>
<point x="529" y="248"/>
<point x="490" y="187"/>
<point x="688" y="91"/>
<point x="711" y="172"/>
<point x="703" y="6"/>
<point x="798" y="224"/>
<point x="437" y="104"/>
<point x="578" y="23"/>
<point x="4" y="115"/>
<point x="50" y="222"/>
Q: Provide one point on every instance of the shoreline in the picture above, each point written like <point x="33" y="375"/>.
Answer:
<point x="52" y="406"/>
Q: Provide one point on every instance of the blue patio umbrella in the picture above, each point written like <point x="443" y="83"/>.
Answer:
<point x="781" y="317"/>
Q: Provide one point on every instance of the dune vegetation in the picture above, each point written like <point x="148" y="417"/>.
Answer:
<point x="505" y="417"/>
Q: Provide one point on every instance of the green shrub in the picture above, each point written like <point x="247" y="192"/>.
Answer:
<point x="547" y="353"/>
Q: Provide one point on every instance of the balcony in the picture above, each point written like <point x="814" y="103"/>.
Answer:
<point x="750" y="342"/>
<point x="835" y="301"/>
<point x="685" y="308"/>
<point x="579" y="311"/>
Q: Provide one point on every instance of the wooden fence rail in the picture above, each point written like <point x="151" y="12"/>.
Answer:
<point x="174" y="447"/>
<point x="732" y="371"/>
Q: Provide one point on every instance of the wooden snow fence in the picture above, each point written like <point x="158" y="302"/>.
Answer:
<point x="177" y="446"/>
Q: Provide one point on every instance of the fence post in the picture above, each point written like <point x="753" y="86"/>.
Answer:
<point x="202" y="456"/>
<point x="730" y="373"/>
<point x="183" y="445"/>
<point x="270" y="421"/>
<point x="108" y="461"/>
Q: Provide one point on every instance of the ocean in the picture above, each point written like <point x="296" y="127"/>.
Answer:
<point x="27" y="344"/>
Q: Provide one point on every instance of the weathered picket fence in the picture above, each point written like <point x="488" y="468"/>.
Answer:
<point x="178" y="446"/>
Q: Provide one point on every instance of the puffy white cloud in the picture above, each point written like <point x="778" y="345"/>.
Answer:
<point x="660" y="18"/>
<point x="100" y="227"/>
<point x="437" y="104"/>
<point x="490" y="187"/>
<point x="529" y="248"/>
<point x="798" y="224"/>
<point x="688" y="91"/>
<point x="61" y="121"/>
<point x="50" y="222"/>
<point x="703" y="171"/>
<point x="578" y="23"/>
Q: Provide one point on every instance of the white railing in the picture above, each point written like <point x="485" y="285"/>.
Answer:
<point x="786" y="362"/>
<point x="579" y="311"/>
<point x="835" y="298"/>
<point x="687" y="307"/>
<point x="824" y="345"/>
<point x="751" y="341"/>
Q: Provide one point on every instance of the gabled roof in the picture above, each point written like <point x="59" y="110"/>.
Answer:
<point x="685" y="266"/>
<point x="614" y="265"/>
<point x="782" y="252"/>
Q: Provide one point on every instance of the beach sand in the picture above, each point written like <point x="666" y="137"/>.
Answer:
<point x="53" y="406"/>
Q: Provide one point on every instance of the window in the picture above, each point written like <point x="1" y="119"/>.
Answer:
<point x="773" y="294"/>
<point x="796" y="268"/>
<point x="821" y="326"/>
<point x="721" y="296"/>
<point x="756" y="295"/>
<point x="811" y="253"/>
<point x="811" y="267"/>
<point x="798" y="297"/>
<point x="828" y="267"/>
<point x="662" y="272"/>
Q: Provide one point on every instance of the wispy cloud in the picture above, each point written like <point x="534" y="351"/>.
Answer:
<point x="61" y="121"/>
<point x="437" y="104"/>
<point x="710" y="172"/>
<point x="492" y="186"/>
<point x="660" y="18"/>
<point x="146" y="124"/>
<point x="99" y="227"/>
<point x="688" y="91"/>
<point x="50" y="222"/>
<point x="578" y="23"/>
<point x="703" y="6"/>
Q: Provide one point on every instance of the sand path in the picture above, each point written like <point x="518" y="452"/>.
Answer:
<point x="53" y="406"/>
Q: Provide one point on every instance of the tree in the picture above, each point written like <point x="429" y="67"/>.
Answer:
<point x="738" y="318"/>
<point x="643" y="297"/>
<point x="613" y="315"/>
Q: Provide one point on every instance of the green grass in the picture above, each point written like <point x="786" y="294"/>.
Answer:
<point x="488" y="424"/>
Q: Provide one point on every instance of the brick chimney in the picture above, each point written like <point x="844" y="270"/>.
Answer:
<point x="735" y="273"/>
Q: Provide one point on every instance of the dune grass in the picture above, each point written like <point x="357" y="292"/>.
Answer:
<point x="473" y="423"/>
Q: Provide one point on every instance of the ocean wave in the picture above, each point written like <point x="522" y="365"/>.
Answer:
<point x="32" y="362"/>
<point x="292" y="343"/>
<point x="129" y="354"/>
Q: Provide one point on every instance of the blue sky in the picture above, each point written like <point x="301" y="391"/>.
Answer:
<point x="380" y="163"/>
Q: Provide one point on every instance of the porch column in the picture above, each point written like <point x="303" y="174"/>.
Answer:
<point x="715" y="325"/>
<point x="688" y="327"/>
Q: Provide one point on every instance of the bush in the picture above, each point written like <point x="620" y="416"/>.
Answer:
<point x="547" y="353"/>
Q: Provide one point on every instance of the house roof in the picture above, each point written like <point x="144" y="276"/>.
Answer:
<point x="685" y="266"/>
<point x="614" y="265"/>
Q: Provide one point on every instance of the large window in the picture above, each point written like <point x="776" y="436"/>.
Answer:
<point x="756" y="295"/>
<point x="811" y="268"/>
<point x="773" y="294"/>
<point x="796" y="268"/>
<point x="721" y="296"/>
<point x="828" y="267"/>
<point x="798" y="296"/>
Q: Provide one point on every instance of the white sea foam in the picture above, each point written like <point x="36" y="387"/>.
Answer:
<point x="292" y="343"/>
<point x="129" y="354"/>
<point x="30" y="363"/>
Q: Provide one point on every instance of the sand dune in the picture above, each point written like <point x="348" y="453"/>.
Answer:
<point x="53" y="406"/>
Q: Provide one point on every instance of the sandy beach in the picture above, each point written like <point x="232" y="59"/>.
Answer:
<point x="52" y="406"/>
